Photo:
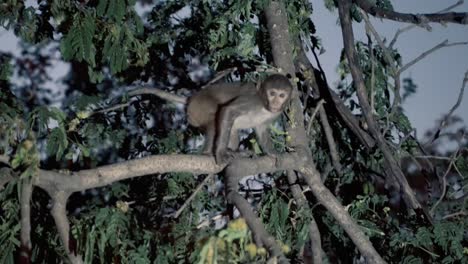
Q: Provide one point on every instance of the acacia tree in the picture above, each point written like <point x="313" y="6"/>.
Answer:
<point x="336" y="182"/>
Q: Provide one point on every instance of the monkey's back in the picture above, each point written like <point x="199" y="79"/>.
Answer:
<point x="202" y="107"/>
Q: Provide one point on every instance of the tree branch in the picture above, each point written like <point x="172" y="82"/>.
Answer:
<point x="326" y="198"/>
<point x="407" y="28"/>
<point x="312" y="116"/>
<point x="420" y="19"/>
<point x="192" y="196"/>
<point x="25" y="202"/>
<point x="333" y="99"/>
<point x="445" y="43"/>
<point x="59" y="213"/>
<point x="443" y="122"/>
<point x="256" y="226"/>
<point x="52" y="181"/>
<point x="397" y="179"/>
<point x="280" y="39"/>
<point x="314" y="232"/>
<point x="444" y="181"/>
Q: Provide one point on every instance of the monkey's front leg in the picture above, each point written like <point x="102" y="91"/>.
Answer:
<point x="225" y="136"/>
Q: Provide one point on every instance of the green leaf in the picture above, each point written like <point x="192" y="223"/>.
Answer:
<point x="78" y="43"/>
<point x="57" y="142"/>
<point x="114" y="9"/>
<point x="6" y="69"/>
<point x="43" y="115"/>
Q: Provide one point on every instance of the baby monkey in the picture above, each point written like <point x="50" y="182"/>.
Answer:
<point x="220" y="110"/>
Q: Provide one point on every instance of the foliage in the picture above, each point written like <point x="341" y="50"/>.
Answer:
<point x="285" y="221"/>
<point x="9" y="225"/>
<point x="76" y="125"/>
<point x="231" y="244"/>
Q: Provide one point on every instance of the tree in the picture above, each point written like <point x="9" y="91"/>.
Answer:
<point x="88" y="145"/>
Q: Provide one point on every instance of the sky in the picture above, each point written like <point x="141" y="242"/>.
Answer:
<point x="438" y="77"/>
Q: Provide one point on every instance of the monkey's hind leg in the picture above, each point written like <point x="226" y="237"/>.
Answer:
<point x="210" y="131"/>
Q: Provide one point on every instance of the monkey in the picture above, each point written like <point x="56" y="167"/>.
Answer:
<point x="220" y="110"/>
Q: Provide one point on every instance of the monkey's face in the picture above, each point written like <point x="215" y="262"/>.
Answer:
<point x="276" y="99"/>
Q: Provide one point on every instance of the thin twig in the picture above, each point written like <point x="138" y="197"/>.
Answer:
<point x="458" y="171"/>
<point x="372" y="80"/>
<point x="444" y="182"/>
<point x="388" y="57"/>
<point x="406" y="137"/>
<point x="192" y="196"/>
<point x="112" y="108"/>
<point x="309" y="126"/>
<point x="443" y="122"/>
<point x="443" y="44"/>
<point x="459" y="213"/>
<point x="432" y="157"/>
<point x="393" y="69"/>
<point x="400" y="31"/>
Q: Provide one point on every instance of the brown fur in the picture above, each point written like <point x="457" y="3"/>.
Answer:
<point x="221" y="109"/>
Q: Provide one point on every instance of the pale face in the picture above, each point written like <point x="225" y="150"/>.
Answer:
<point x="276" y="99"/>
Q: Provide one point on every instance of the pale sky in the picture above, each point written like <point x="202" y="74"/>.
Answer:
<point x="439" y="76"/>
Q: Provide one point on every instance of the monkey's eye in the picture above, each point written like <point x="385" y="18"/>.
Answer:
<point x="272" y="93"/>
<point x="282" y="95"/>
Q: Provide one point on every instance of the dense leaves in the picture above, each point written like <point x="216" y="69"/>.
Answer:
<point x="86" y="119"/>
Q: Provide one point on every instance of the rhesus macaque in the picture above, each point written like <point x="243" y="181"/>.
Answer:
<point x="221" y="110"/>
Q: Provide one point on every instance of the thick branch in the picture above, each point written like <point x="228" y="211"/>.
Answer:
<point x="277" y="23"/>
<point x="326" y="198"/>
<point x="256" y="226"/>
<point x="451" y="17"/>
<point x="347" y="116"/>
<point x="356" y="72"/>
<point x="314" y="232"/>
<point x="59" y="213"/>
<point x="242" y="167"/>
<point x="60" y="185"/>
<point x="282" y="54"/>
<point x="407" y="28"/>
<point x="315" y="240"/>
<point x="305" y="165"/>
<point x="26" y="245"/>
<point x="52" y="181"/>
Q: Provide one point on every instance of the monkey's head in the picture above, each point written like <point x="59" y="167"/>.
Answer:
<point x="275" y="92"/>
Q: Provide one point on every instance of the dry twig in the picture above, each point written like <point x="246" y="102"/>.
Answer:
<point x="443" y="122"/>
<point x="192" y="196"/>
